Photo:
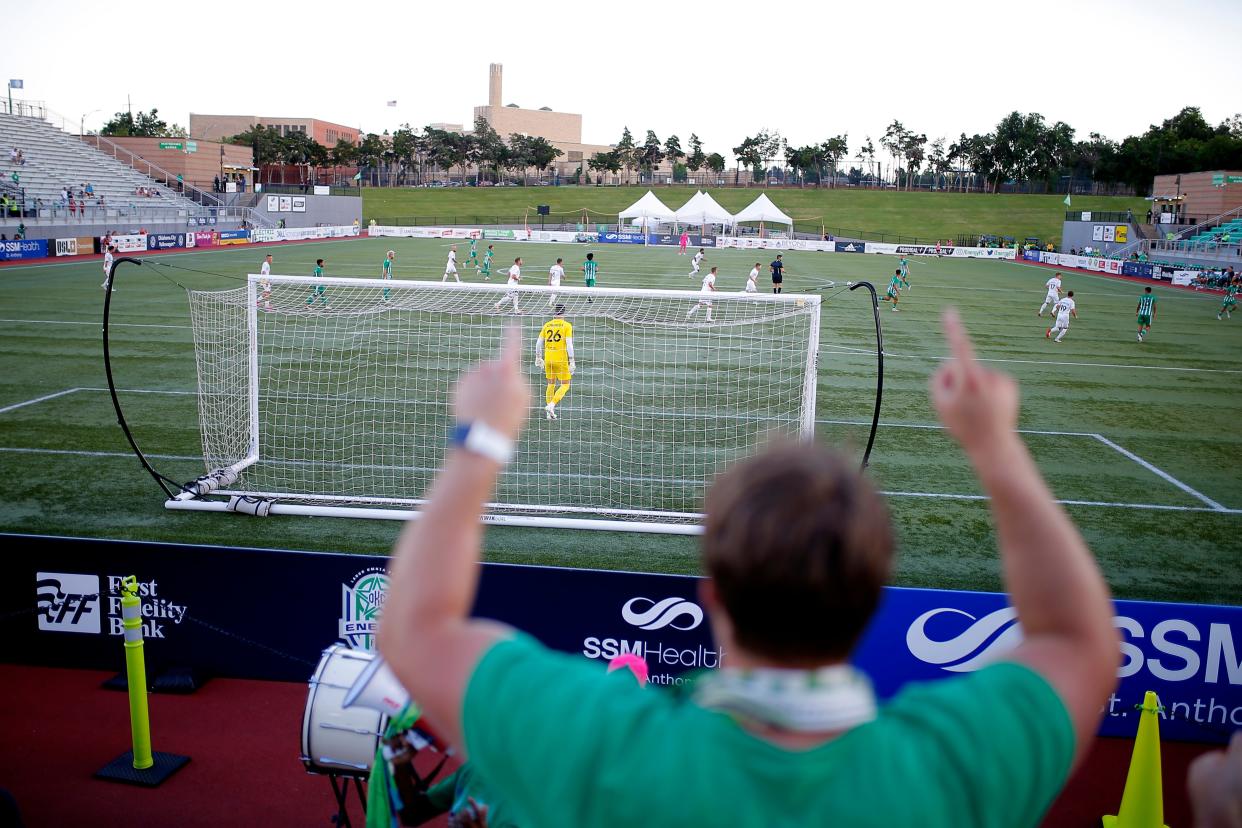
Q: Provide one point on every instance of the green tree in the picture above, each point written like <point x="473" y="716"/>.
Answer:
<point x="674" y="153"/>
<point x="626" y="152"/>
<point x="716" y="163"/>
<point x="749" y="153"/>
<point x="489" y="146"/>
<point x="541" y="153"/>
<point x="696" y="160"/>
<point x="650" y="154"/>
<point x="266" y="142"/>
<point x="371" y="154"/>
<point x="831" y="152"/>
<point x="894" y="141"/>
<point x="142" y="125"/>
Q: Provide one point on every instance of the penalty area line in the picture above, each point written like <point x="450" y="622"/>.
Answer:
<point x="1215" y="507"/>
<point x="16" y="406"/>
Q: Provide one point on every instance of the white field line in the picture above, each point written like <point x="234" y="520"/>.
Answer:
<point x="16" y="406"/>
<point x="934" y="358"/>
<point x="96" y="324"/>
<point x="925" y="495"/>
<point x="1161" y="473"/>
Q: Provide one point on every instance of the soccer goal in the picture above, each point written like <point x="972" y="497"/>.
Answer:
<point x="333" y="396"/>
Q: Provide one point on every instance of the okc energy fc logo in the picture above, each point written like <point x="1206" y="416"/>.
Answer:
<point x="362" y="603"/>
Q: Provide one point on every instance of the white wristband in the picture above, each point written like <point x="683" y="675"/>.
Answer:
<point x="484" y="440"/>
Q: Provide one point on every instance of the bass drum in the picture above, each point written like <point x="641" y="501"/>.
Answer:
<point x="336" y="740"/>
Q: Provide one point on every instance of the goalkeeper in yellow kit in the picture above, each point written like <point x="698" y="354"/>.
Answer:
<point x="554" y="353"/>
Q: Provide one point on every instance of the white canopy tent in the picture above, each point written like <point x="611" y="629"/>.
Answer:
<point x="647" y="210"/>
<point x="763" y="211"/>
<point x="702" y="210"/>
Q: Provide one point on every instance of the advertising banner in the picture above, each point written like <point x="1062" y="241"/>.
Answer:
<point x="66" y="247"/>
<point x="273" y="204"/>
<point x="285" y="204"/>
<point x="198" y="612"/>
<point x="202" y="238"/>
<point x="264" y="235"/>
<point x="299" y="204"/>
<point x="165" y="241"/>
<point x="1183" y="277"/>
<point x="322" y="190"/>
<point x="23" y="249"/>
<point x="1032" y="255"/>
<point x="87" y="245"/>
<point x="499" y="234"/>
<point x="130" y="243"/>
<point x="622" y="238"/>
<point x="1121" y="233"/>
<point x="233" y="237"/>
<point x="1140" y="269"/>
<point x="849" y="247"/>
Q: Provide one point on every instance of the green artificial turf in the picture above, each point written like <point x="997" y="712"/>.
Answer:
<point x="865" y="213"/>
<point x="1172" y="401"/>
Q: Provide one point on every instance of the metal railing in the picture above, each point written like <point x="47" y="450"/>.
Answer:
<point x="1186" y="247"/>
<point x="309" y="189"/>
<point x="1214" y="221"/>
<point x="159" y="174"/>
<point x="93" y="214"/>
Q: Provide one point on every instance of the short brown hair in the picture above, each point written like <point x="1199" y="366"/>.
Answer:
<point x="798" y="545"/>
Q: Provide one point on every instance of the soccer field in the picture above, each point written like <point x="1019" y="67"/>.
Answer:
<point x="1139" y="440"/>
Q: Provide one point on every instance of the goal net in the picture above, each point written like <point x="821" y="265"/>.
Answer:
<point x="334" y="396"/>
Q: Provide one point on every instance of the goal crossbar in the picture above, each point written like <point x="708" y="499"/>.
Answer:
<point x="332" y="396"/>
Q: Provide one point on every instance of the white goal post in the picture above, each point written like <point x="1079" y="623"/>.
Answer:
<point x="333" y="396"/>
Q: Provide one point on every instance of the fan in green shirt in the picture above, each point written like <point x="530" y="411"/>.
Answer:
<point x="796" y="546"/>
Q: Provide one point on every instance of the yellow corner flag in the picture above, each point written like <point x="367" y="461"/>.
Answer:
<point x="1142" y="801"/>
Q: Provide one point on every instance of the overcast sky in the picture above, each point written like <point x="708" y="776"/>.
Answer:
<point x="808" y="69"/>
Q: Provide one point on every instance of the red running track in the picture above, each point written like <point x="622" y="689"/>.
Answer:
<point x="58" y="726"/>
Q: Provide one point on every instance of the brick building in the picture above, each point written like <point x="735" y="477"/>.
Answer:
<point x="1199" y="196"/>
<point x="220" y="127"/>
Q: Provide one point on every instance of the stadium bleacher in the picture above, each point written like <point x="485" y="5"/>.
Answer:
<point x="56" y="160"/>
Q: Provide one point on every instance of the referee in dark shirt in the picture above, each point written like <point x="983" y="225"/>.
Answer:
<point x="778" y="275"/>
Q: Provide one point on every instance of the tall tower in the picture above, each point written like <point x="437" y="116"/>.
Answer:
<point x="493" y="86"/>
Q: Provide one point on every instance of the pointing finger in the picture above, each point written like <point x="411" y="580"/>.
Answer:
<point x="511" y="348"/>
<point x="959" y="341"/>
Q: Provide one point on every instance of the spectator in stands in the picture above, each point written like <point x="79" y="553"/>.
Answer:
<point x="21" y="231"/>
<point x="215" y="184"/>
<point x="14" y="154"/>
<point x="90" y="189"/>
<point x="797" y="545"/>
<point x="73" y="206"/>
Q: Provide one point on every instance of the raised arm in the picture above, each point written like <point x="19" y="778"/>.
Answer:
<point x="426" y="634"/>
<point x="1062" y="601"/>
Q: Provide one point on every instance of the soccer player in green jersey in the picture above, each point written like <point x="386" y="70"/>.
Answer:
<point x="905" y="272"/>
<point x="1231" y="299"/>
<point x="474" y="254"/>
<point x="318" y="290"/>
<point x="589" y="268"/>
<point x="893" y="294"/>
<point x="1146" y="312"/>
<point x="389" y="257"/>
<point x="486" y="270"/>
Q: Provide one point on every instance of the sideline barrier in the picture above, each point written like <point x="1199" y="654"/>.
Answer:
<point x="267" y="614"/>
<point x="301" y="233"/>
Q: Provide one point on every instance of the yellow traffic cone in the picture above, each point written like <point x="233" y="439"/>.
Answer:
<point x="1142" y="801"/>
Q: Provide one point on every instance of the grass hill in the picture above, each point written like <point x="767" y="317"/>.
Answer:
<point x="867" y="213"/>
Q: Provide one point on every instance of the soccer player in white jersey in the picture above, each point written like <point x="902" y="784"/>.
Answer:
<point x="1053" y="286"/>
<point x="265" y="285"/>
<point x="450" y="267"/>
<point x="107" y="266"/>
<point x="1064" y="309"/>
<point x="515" y="278"/>
<point x="709" y="287"/>
<point x="751" y="287"/>
<point x="695" y="262"/>
<point x="555" y="273"/>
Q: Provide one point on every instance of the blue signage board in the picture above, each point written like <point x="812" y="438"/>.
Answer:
<point x="210" y="608"/>
<point x="1141" y="269"/>
<point x="23" y="249"/>
<point x="849" y="247"/>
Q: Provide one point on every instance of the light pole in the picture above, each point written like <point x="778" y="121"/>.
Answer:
<point x="82" y="121"/>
